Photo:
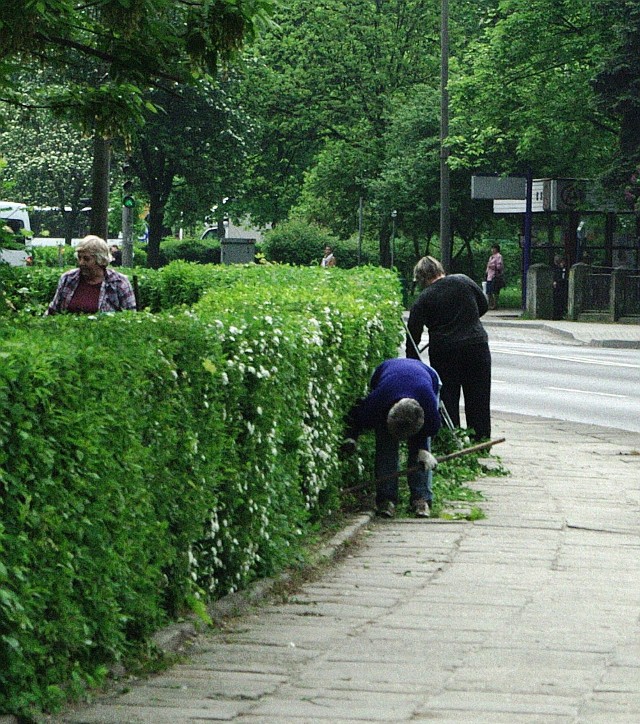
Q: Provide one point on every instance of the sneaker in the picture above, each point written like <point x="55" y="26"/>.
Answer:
<point x="386" y="509"/>
<point x="421" y="508"/>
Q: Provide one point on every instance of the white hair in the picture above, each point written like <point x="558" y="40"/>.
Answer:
<point x="96" y="246"/>
<point x="405" y="418"/>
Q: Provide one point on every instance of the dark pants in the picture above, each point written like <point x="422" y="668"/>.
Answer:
<point x="387" y="465"/>
<point x="560" y="299"/>
<point x="467" y="369"/>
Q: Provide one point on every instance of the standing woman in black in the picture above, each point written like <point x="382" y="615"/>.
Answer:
<point x="450" y="307"/>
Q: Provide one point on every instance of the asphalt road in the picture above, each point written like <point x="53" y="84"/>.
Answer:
<point x="536" y="374"/>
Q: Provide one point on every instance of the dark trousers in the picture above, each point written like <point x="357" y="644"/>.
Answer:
<point x="466" y="369"/>
<point x="387" y="466"/>
<point x="560" y="299"/>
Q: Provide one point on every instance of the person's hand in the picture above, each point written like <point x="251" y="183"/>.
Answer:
<point x="427" y="460"/>
<point x="348" y="447"/>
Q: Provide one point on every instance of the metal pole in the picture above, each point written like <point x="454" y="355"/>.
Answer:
<point x="394" y="214"/>
<point x="127" y="236"/>
<point x="526" y="246"/>
<point x="445" y="204"/>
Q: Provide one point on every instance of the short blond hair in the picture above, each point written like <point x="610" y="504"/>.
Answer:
<point x="96" y="246"/>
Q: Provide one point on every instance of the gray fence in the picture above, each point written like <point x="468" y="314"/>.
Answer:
<point x="630" y="303"/>
<point x="596" y="294"/>
<point x="607" y="295"/>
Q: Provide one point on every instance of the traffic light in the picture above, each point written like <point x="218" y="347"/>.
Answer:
<point x="128" y="199"/>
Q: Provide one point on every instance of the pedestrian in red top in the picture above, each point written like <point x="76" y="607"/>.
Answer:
<point x="495" y="276"/>
<point x="92" y="287"/>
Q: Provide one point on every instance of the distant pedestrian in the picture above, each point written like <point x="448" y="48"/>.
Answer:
<point x="329" y="259"/>
<point x="495" y="276"/>
<point x="450" y="307"/>
<point x="403" y="405"/>
<point x="92" y="287"/>
<point x="560" y="287"/>
<point x="116" y="255"/>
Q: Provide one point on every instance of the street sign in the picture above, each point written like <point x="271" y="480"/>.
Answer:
<point x="548" y="194"/>
<point x="498" y="187"/>
<point x="540" y="201"/>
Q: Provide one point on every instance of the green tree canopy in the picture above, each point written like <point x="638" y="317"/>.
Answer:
<point x="522" y="94"/>
<point x="196" y="142"/>
<point x="109" y="52"/>
<point x="48" y="163"/>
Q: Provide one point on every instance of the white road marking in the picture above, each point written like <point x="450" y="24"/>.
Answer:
<point x="568" y="358"/>
<point x="586" y="392"/>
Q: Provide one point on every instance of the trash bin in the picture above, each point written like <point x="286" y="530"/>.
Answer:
<point x="238" y="251"/>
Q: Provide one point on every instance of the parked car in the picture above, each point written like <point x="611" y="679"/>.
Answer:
<point x="14" y="219"/>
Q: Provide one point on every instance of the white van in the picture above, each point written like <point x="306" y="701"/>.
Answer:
<point x="16" y="217"/>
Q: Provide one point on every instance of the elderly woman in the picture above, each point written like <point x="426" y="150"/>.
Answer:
<point x="450" y="307"/>
<point x="92" y="287"/>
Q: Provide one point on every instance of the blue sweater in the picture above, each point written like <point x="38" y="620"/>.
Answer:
<point x="390" y="382"/>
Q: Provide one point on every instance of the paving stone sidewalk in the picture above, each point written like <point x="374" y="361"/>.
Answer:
<point x="530" y="615"/>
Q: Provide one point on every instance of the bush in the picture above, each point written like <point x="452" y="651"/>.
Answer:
<point x="150" y="460"/>
<point x="297" y="242"/>
<point x="201" y="251"/>
<point x="63" y="257"/>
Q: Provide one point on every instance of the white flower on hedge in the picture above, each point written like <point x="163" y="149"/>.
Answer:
<point x="250" y="427"/>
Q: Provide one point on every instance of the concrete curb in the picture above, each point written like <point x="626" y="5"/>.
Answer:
<point x="529" y="325"/>
<point x="564" y="333"/>
<point x="175" y="637"/>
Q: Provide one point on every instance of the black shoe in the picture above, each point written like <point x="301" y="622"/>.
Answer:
<point x="421" y="508"/>
<point x="386" y="509"/>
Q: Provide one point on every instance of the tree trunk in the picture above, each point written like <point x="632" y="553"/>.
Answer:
<point x="69" y="221"/>
<point x="100" y="187"/>
<point x="156" y="228"/>
<point x="384" y="238"/>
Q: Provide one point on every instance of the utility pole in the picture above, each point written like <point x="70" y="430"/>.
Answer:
<point x="394" y="215"/>
<point x="445" y="205"/>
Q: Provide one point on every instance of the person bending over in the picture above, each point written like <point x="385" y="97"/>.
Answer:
<point x="402" y="405"/>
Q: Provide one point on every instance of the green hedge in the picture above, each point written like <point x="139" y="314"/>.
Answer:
<point x="150" y="461"/>
<point x="50" y="256"/>
<point x="201" y="251"/>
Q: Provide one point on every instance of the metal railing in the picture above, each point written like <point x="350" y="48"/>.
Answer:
<point x="597" y="291"/>
<point x="630" y="302"/>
